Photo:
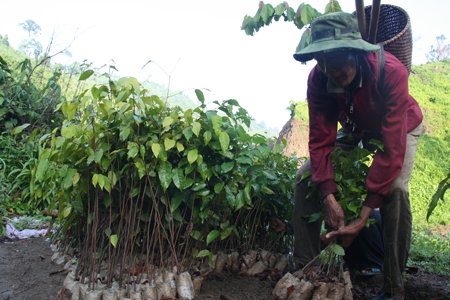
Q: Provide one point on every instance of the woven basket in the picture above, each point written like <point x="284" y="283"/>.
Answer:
<point x="394" y="30"/>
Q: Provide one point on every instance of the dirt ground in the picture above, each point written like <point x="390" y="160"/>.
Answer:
<point x="25" y="268"/>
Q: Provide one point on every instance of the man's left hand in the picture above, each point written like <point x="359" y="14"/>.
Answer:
<point x="349" y="232"/>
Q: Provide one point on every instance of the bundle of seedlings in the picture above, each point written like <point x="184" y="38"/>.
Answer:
<point x="324" y="277"/>
<point x="324" y="281"/>
<point x="140" y="186"/>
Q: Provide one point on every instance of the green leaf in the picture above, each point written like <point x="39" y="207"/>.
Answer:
<point x="290" y="14"/>
<point x="224" y="140"/>
<point x="212" y="236"/>
<point x="200" y="96"/>
<point x="69" y="131"/>
<point x="207" y="137"/>
<point x="226" y="232"/>
<point x="240" y="200"/>
<point x="98" y="155"/>
<point x="266" y="12"/>
<point x="196" y="128"/>
<point x="180" y="147"/>
<point x="192" y="156"/>
<point x="305" y="175"/>
<point x="156" y="148"/>
<point x="217" y="123"/>
<point x="178" y="178"/>
<point x="218" y="187"/>
<point x="230" y="197"/>
<point x="279" y="9"/>
<point x="41" y="169"/>
<point x="176" y="201"/>
<point x="195" y="234"/>
<point x="258" y="139"/>
<point x="307" y="14"/>
<point x="266" y="190"/>
<point x="78" y="205"/>
<point x="69" y="178"/>
<point x="169" y="144"/>
<point x="71" y="110"/>
<point x="167" y="121"/>
<point x="338" y="250"/>
<point x="199" y="186"/>
<point x="67" y="211"/>
<point x="203" y="253"/>
<point x="86" y="74"/>
<point x="188" y="182"/>
<point x="19" y="129"/>
<point x="313" y="217"/>
<point x="243" y="134"/>
<point x="113" y="240"/>
<point x="165" y="175"/>
<point x="95" y="179"/>
<point x="254" y="171"/>
<point x="188" y="133"/>
<point x="270" y="174"/>
<point x="227" y="167"/>
<point x="332" y="6"/>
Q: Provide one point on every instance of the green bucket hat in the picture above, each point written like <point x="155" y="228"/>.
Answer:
<point x="331" y="32"/>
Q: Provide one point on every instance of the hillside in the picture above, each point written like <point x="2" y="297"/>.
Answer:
<point x="429" y="84"/>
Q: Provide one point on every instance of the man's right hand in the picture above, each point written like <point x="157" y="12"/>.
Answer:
<point x="334" y="214"/>
<point x="276" y="225"/>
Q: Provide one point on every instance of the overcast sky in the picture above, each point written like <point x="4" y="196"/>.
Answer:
<point x="200" y="41"/>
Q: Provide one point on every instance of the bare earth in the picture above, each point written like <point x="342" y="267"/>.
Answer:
<point x="25" y="268"/>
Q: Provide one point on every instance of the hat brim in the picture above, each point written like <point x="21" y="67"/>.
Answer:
<point x="308" y="52"/>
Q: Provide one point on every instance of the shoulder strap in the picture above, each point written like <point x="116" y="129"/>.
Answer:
<point x="381" y="61"/>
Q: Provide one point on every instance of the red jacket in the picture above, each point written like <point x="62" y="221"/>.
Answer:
<point x="391" y="113"/>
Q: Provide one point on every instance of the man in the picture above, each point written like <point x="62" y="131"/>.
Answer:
<point x="345" y="86"/>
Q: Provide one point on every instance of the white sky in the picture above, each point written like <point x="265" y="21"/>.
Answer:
<point x="203" y="41"/>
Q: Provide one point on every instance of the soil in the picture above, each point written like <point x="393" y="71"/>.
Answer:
<point x="25" y="268"/>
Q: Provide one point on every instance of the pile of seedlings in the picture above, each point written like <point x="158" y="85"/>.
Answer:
<point x="156" y="283"/>
<point x="325" y="280"/>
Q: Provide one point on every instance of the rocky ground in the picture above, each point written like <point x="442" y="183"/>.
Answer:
<point x="26" y="272"/>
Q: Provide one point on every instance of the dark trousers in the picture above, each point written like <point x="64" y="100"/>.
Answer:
<point x="395" y="215"/>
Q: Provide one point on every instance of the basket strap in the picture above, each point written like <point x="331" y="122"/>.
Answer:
<point x="381" y="61"/>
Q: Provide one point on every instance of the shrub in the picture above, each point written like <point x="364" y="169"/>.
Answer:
<point x="130" y="175"/>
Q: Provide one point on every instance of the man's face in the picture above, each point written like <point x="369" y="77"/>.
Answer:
<point x="339" y="66"/>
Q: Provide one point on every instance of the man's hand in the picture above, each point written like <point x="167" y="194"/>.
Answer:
<point x="334" y="214"/>
<point x="276" y="225"/>
<point x="349" y="233"/>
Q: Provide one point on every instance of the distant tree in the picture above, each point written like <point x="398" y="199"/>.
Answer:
<point x="31" y="48"/>
<point x="31" y="26"/>
<point x="4" y="40"/>
<point x="440" y="52"/>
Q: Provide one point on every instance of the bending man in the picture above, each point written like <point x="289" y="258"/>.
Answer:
<point x="346" y="86"/>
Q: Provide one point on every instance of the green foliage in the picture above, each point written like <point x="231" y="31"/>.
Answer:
<point x="444" y="185"/>
<point x="299" y="110"/>
<point x="194" y="177"/>
<point x="430" y="250"/>
<point x="429" y="85"/>
<point x="301" y="18"/>
<point x="350" y="173"/>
